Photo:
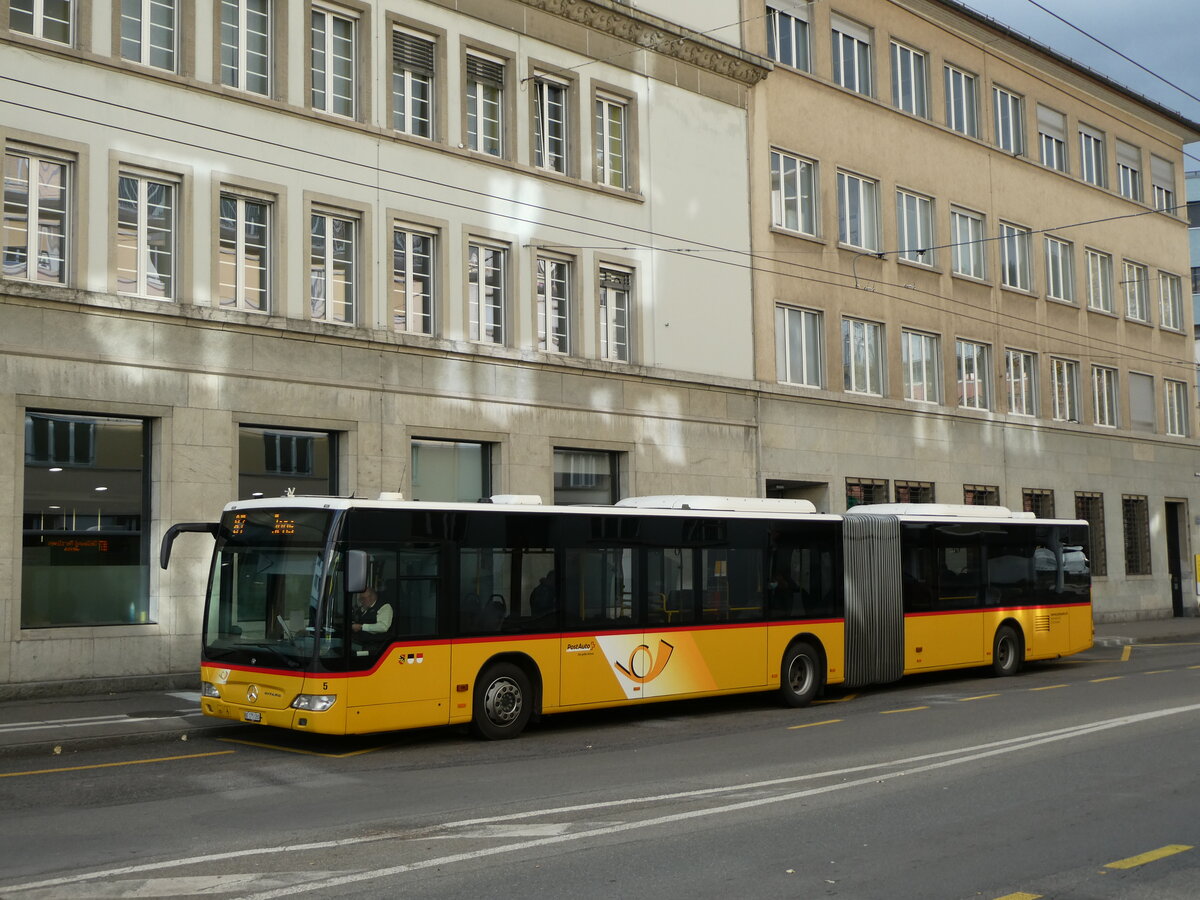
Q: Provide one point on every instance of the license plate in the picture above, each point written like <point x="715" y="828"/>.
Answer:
<point x="252" y="716"/>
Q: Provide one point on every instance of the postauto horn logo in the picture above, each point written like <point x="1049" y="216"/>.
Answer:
<point x="644" y="666"/>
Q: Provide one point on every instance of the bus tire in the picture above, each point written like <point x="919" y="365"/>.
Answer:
<point x="503" y="702"/>
<point x="1006" y="652"/>
<point x="801" y="676"/>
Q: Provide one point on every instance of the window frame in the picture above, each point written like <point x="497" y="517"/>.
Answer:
<point x="411" y="66"/>
<point x="478" y="80"/>
<point x="241" y="67"/>
<point x="146" y="27"/>
<point x="852" y="42"/>
<point x="910" y="76"/>
<point x="1099" y="280"/>
<point x="38" y="22"/>
<point x="915" y="212"/>
<point x="872" y="365"/>
<point x="1135" y="529"/>
<point x="971" y="249"/>
<point x="142" y="249"/>
<point x="1008" y="112"/>
<point x="544" y="156"/>
<point x="403" y="322"/>
<point x="973" y="362"/>
<point x="1016" y="250"/>
<point x="36" y="158"/>
<point x="1064" y="390"/>
<point x="1021" y="382"/>
<point x="1093" y="502"/>
<point x="1093" y="156"/>
<point x="809" y="360"/>
<point x="1105" y="397"/>
<point x="865" y="211"/>
<point x="1135" y="279"/>
<point x="614" y="302"/>
<point x="1175" y="408"/>
<point x="801" y="37"/>
<point x="359" y="42"/>
<point x="1170" y="301"/>
<point x="1052" y="139"/>
<point x="330" y="215"/>
<point x="604" y="172"/>
<point x="241" y="269"/>
<point x="482" y="297"/>
<point x="922" y="375"/>
<point x="962" y="100"/>
<point x="1129" y="170"/>
<point x="1060" y="269"/>
<point x="555" y="308"/>
<point x="1162" y="181"/>
<point x="806" y="212"/>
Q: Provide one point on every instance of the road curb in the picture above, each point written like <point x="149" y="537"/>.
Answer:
<point x="62" y="749"/>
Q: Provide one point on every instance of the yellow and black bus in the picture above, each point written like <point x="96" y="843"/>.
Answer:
<point x="343" y="616"/>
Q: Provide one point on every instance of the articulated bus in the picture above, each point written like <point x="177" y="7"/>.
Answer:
<point x="342" y="616"/>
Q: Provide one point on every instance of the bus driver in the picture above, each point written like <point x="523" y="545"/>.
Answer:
<point x="370" y="616"/>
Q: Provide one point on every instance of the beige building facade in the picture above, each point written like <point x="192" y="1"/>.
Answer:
<point x="565" y="248"/>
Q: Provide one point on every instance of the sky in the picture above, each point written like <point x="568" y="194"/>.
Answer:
<point x="1162" y="35"/>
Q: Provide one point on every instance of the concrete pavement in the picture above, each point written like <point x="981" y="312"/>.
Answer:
<point x="55" y="727"/>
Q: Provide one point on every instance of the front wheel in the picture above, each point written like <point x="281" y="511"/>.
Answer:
<point x="801" y="676"/>
<point x="1006" y="652"/>
<point x="503" y="702"/>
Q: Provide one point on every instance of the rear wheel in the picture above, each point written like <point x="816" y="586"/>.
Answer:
<point x="1006" y="651"/>
<point x="503" y="702"/>
<point x="801" y="676"/>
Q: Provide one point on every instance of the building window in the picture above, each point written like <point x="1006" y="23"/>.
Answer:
<point x="914" y="227"/>
<point x="1039" y="501"/>
<point x="487" y="293"/>
<point x="1142" y="402"/>
<point x="334" y="59"/>
<point x="46" y="19"/>
<point x="973" y="361"/>
<point x="554" y="304"/>
<point x="1129" y="171"/>
<point x="616" y="308"/>
<point x="793" y="197"/>
<point x="36" y="192"/>
<point x="1015" y="266"/>
<point x="1060" y="269"/>
<point x="1010" y="121"/>
<point x="246" y="45"/>
<point x="1162" y="178"/>
<point x="962" y="112"/>
<point x="550" y="123"/>
<point x="858" y="211"/>
<point x="921" y="359"/>
<point x="333" y="273"/>
<point x="910" y="90"/>
<point x="851" y="55"/>
<point x="1104" y="396"/>
<point x="799" y="348"/>
<point x="451" y="471"/>
<point x="787" y="33"/>
<point x="1064" y="382"/>
<point x="1176" y="407"/>
<point x="981" y="495"/>
<point x="1135" y="521"/>
<point x="1170" y="296"/>
<point x="611" y="142"/>
<point x="85" y="508"/>
<point x="146" y="218"/>
<point x="1020" y="375"/>
<point x="1099" y="286"/>
<point x="272" y="460"/>
<point x="966" y="238"/>
<point x="1089" y="506"/>
<point x="485" y="105"/>
<point x="914" y="492"/>
<point x="413" y="296"/>
<point x="586" y="477"/>
<point x="862" y="356"/>
<point x="412" y="83"/>
<point x="243" y="261"/>
<point x="860" y="491"/>
<point x="148" y="30"/>
<point x="1135" y="278"/>
<point x="1052" y="138"/>
<point x="1091" y="156"/>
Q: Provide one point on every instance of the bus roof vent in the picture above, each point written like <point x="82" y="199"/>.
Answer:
<point x="936" y="510"/>
<point x="517" y="499"/>
<point x="726" y="504"/>
<point x="391" y="496"/>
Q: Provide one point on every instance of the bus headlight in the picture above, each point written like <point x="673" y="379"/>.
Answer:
<point x="314" y="702"/>
<point x="208" y="689"/>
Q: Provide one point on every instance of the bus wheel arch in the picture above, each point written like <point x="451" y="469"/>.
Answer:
<point x="1008" y="649"/>
<point x="508" y="693"/>
<point x="802" y="671"/>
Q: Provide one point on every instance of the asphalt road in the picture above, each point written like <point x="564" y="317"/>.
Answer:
<point x="1077" y="779"/>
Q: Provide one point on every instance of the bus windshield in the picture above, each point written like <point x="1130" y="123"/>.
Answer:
<point x="272" y="571"/>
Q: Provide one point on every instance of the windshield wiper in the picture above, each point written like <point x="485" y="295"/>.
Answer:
<point x="274" y="651"/>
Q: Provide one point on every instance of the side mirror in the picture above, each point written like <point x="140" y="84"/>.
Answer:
<point x="358" y="565"/>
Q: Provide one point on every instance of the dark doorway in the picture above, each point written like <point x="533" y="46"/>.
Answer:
<point x="1175" y="517"/>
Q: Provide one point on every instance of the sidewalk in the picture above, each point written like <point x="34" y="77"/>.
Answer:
<point x="52" y="728"/>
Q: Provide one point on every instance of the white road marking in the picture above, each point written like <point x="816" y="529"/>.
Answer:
<point x="907" y="766"/>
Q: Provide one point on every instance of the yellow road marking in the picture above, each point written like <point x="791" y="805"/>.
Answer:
<point x="980" y="697"/>
<point x="130" y="762"/>
<point x="1125" y="652"/>
<point x="1020" y="896"/>
<point x="1111" y="678"/>
<point x="1158" y="672"/>
<point x="1050" y="687"/>
<point x="848" y="697"/>
<point x="888" y="712"/>
<point x="1149" y="857"/>
<point x="1194" y="667"/>
<point x="813" y="724"/>
<point x="298" y="750"/>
